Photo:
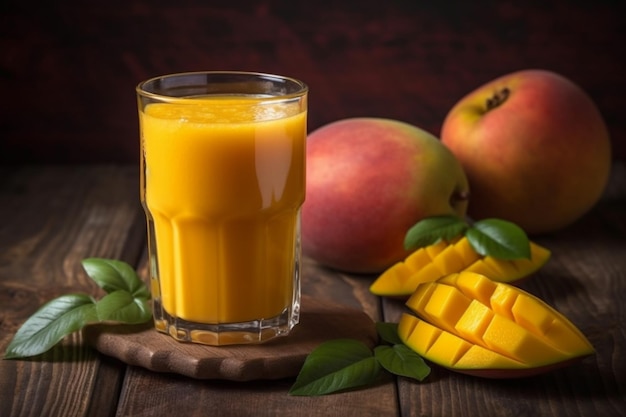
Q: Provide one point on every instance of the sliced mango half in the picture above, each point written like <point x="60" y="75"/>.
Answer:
<point x="471" y="324"/>
<point x="443" y="258"/>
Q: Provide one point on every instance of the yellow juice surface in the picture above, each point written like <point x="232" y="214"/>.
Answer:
<point x="224" y="182"/>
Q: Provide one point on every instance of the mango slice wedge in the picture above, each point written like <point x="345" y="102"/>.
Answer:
<point x="443" y="258"/>
<point x="471" y="324"/>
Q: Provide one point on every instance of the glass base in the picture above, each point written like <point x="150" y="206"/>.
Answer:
<point x="251" y="332"/>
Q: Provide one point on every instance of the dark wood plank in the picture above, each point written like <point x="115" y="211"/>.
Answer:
<point x="59" y="215"/>
<point x="59" y="382"/>
<point x="55" y="217"/>
<point x="585" y="280"/>
<point x="152" y="394"/>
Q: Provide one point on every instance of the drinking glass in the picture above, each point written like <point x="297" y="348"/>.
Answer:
<point x="222" y="184"/>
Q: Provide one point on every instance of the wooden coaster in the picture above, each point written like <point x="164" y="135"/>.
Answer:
<point x="283" y="357"/>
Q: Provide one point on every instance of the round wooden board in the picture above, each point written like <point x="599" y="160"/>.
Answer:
<point x="283" y="357"/>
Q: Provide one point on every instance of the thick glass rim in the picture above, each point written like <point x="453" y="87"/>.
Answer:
<point x="300" y="90"/>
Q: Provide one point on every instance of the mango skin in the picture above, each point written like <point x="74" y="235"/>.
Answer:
<point x="368" y="180"/>
<point x="471" y="324"/>
<point x="541" y="158"/>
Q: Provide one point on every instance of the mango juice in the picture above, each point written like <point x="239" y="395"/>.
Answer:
<point x="224" y="182"/>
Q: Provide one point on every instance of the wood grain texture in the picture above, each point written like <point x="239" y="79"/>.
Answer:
<point x="57" y="215"/>
<point x="279" y="358"/>
<point x="151" y="394"/>
<point x="59" y="382"/>
<point x="53" y="219"/>
<point x="74" y="64"/>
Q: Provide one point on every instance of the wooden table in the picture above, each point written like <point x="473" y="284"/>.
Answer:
<point x="54" y="216"/>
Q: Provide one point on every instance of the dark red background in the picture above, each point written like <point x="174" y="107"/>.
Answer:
<point x="68" y="68"/>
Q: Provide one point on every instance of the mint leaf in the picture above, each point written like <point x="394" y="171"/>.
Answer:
<point x="51" y="323"/>
<point x="120" y="306"/>
<point x="113" y="275"/>
<point x="336" y="365"/>
<point x="400" y="360"/>
<point x="499" y="238"/>
<point x="388" y="332"/>
<point x="431" y="229"/>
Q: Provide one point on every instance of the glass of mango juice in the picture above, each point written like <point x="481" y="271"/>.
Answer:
<point x="222" y="184"/>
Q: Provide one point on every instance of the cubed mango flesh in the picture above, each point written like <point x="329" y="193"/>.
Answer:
<point x="469" y="323"/>
<point x="443" y="258"/>
<point x="443" y="348"/>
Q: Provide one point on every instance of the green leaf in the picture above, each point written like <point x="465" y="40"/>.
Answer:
<point x="113" y="275"/>
<point x="400" y="360"/>
<point x="499" y="238"/>
<point x="431" y="229"/>
<point x="51" y="323"/>
<point x="120" y="306"/>
<point x="388" y="332"/>
<point x="336" y="365"/>
<point x="126" y="302"/>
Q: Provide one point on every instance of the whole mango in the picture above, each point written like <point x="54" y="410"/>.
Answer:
<point x="535" y="148"/>
<point x="368" y="181"/>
